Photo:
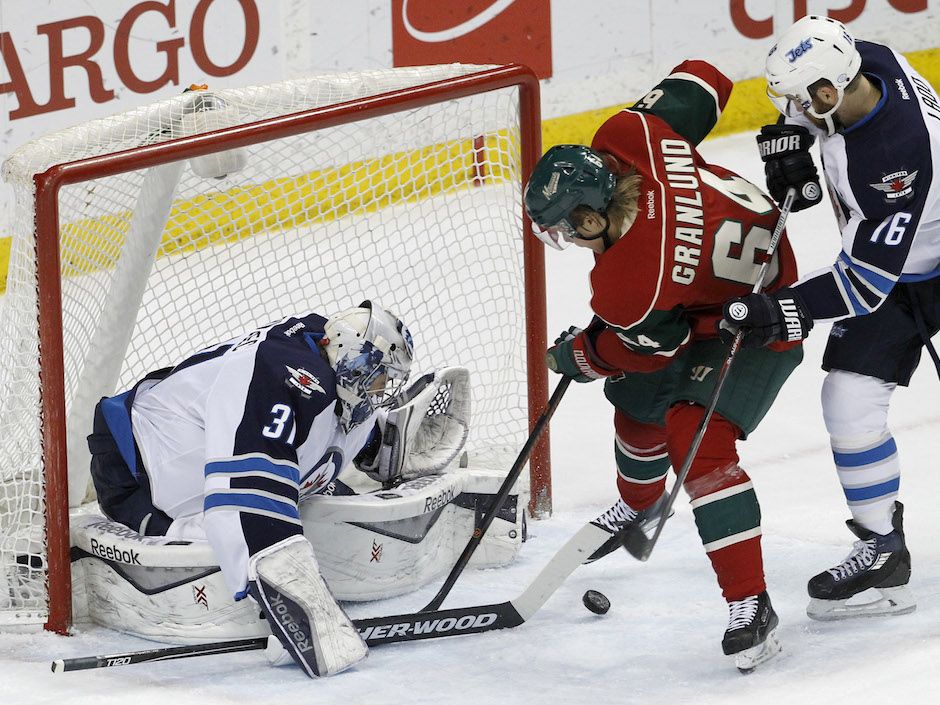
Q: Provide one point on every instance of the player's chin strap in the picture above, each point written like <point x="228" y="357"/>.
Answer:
<point x="603" y="234"/>
<point x="636" y="541"/>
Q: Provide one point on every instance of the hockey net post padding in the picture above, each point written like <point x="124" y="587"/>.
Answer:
<point x="402" y="185"/>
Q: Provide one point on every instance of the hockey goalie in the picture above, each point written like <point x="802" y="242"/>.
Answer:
<point x="219" y="482"/>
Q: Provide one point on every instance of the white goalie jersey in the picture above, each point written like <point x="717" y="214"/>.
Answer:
<point x="233" y="437"/>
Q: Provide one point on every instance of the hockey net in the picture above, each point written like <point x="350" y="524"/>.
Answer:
<point x="185" y="222"/>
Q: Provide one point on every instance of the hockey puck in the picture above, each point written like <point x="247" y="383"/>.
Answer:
<point x="596" y="602"/>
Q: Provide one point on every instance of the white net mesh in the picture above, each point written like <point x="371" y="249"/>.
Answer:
<point x="419" y="210"/>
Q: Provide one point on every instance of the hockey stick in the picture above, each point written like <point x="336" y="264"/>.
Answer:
<point x="501" y="496"/>
<point x="636" y="541"/>
<point x="400" y="627"/>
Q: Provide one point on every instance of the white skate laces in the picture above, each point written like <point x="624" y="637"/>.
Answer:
<point x="742" y="612"/>
<point x="862" y="557"/>
<point x="617" y="516"/>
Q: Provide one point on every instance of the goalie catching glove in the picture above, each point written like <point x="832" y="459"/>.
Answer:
<point x="424" y="431"/>
<point x="313" y="629"/>
<point x="765" y="319"/>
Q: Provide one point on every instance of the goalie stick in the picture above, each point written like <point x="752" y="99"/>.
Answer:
<point x="400" y="627"/>
<point x="635" y="540"/>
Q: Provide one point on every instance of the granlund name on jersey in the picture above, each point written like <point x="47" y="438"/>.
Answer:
<point x="701" y="232"/>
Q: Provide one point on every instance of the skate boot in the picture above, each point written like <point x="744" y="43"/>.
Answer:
<point x="876" y="561"/>
<point x="750" y="636"/>
<point x="619" y="518"/>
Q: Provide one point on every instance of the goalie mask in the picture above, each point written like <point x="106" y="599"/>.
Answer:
<point x="371" y="352"/>
<point x="567" y="176"/>
<point x="815" y="48"/>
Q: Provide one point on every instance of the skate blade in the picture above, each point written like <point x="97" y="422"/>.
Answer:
<point x="892" y="601"/>
<point x="749" y="659"/>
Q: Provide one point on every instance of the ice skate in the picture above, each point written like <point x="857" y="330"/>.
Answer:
<point x="878" y="566"/>
<point x="619" y="518"/>
<point x="750" y="636"/>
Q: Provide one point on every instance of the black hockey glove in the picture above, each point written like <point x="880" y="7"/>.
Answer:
<point x="787" y="162"/>
<point x="765" y="319"/>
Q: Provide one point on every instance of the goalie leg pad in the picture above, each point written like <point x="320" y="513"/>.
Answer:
<point x="304" y="616"/>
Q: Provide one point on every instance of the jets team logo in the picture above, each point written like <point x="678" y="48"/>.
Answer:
<point x="798" y="51"/>
<point x="897" y="185"/>
<point x="304" y="381"/>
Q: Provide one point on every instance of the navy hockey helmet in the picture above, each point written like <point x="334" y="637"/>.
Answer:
<point x="567" y="176"/>
<point x="371" y="351"/>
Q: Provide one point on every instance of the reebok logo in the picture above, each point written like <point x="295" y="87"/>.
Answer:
<point x="438" y="500"/>
<point x="297" y="633"/>
<point x="113" y="553"/>
<point x="902" y="89"/>
<point x="791" y="320"/>
<point x="118" y="530"/>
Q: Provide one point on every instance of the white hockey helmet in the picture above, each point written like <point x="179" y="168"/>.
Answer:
<point x="371" y="351"/>
<point x="812" y="49"/>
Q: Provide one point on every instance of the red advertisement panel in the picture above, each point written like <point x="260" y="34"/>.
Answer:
<point x="472" y="31"/>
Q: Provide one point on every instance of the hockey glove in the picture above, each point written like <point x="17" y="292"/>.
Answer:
<point x="573" y="355"/>
<point x="787" y="162"/>
<point x="765" y="319"/>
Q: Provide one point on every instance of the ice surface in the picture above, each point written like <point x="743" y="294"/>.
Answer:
<point x="660" y="642"/>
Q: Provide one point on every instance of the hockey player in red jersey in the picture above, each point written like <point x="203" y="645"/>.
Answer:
<point x="674" y="238"/>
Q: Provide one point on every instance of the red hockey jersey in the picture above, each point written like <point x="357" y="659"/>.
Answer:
<point x="700" y="234"/>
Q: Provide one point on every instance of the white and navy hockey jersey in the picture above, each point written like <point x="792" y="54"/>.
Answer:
<point x="234" y="435"/>
<point x="881" y="177"/>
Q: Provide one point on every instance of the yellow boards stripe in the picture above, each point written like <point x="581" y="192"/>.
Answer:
<point x="320" y="196"/>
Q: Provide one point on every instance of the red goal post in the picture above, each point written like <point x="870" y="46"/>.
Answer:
<point x="398" y="192"/>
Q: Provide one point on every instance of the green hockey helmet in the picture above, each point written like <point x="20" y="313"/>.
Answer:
<point x="567" y="176"/>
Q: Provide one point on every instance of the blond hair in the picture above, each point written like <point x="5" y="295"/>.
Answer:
<point x="624" y="201"/>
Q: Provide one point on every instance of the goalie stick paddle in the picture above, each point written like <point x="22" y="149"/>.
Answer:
<point x="400" y="627"/>
<point x="500" y="497"/>
<point x="636" y="541"/>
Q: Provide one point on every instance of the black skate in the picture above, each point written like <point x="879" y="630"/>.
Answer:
<point x="876" y="561"/>
<point x="750" y="636"/>
<point x="619" y="518"/>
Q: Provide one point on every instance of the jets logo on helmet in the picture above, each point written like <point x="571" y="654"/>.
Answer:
<point x="814" y="48"/>
<point x="798" y="51"/>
